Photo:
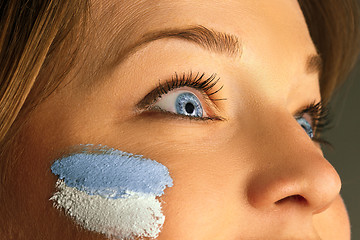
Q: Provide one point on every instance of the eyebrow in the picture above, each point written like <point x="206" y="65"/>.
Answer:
<point x="209" y="39"/>
<point x="313" y="64"/>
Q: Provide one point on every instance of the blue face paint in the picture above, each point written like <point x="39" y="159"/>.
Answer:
<point x="112" y="173"/>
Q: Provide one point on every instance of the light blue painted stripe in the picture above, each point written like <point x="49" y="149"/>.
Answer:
<point x="111" y="173"/>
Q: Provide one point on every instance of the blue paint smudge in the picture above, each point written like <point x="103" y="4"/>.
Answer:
<point x="112" y="173"/>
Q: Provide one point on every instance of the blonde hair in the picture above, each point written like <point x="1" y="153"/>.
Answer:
<point x="31" y="33"/>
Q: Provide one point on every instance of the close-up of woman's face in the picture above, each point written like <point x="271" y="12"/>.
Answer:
<point x="219" y="99"/>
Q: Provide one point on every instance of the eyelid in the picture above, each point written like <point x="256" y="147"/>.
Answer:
<point x="320" y="119"/>
<point x="175" y="116"/>
<point x="206" y="104"/>
<point x="211" y="110"/>
<point x="197" y="84"/>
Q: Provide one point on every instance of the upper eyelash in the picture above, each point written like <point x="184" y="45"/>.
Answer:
<point x="321" y="120"/>
<point x="197" y="81"/>
<point x="189" y="80"/>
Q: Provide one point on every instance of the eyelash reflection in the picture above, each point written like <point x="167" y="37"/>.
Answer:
<point x="321" y="120"/>
<point x="205" y="86"/>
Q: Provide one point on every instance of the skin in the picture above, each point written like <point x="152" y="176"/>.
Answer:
<point x="233" y="179"/>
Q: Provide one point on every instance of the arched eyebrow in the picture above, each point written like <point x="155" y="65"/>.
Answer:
<point x="206" y="38"/>
<point x="209" y="39"/>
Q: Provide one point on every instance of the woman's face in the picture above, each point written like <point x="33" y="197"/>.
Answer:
<point x="245" y="170"/>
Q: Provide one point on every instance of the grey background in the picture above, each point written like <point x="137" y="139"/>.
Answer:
<point x="345" y="137"/>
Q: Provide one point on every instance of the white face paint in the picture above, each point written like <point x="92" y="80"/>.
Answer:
<point x="112" y="192"/>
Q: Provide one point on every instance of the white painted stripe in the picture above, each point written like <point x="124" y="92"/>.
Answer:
<point x="138" y="215"/>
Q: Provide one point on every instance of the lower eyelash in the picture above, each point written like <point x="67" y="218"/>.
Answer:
<point x="179" y="116"/>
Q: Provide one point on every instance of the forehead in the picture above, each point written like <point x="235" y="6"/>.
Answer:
<point x="165" y="13"/>
<point x="273" y="33"/>
<point x="271" y="24"/>
<point x="131" y="18"/>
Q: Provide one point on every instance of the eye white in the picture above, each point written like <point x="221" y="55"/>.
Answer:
<point x="181" y="102"/>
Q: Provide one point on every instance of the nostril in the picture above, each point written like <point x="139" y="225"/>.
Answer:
<point x="293" y="198"/>
<point x="312" y="187"/>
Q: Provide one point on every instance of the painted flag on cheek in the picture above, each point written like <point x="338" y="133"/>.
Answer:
<point x="112" y="192"/>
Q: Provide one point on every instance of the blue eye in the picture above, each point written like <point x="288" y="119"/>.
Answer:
<point x="188" y="104"/>
<point x="306" y="126"/>
<point x="182" y="103"/>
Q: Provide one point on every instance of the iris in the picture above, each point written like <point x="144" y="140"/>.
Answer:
<point x="306" y="126"/>
<point x="188" y="104"/>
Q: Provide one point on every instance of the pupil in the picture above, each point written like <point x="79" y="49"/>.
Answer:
<point x="189" y="107"/>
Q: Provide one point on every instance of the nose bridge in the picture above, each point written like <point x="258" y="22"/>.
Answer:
<point x="289" y="168"/>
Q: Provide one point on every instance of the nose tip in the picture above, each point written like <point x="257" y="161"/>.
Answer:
<point x="323" y="189"/>
<point x="312" y="186"/>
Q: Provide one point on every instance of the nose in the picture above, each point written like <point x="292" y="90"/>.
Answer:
<point x="291" y="171"/>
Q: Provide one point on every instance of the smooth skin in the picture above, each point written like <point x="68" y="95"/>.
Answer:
<point x="255" y="175"/>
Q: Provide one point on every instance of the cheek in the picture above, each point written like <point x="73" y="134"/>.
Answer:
<point x="333" y="223"/>
<point x="205" y="200"/>
<point x="111" y="192"/>
<point x="28" y="189"/>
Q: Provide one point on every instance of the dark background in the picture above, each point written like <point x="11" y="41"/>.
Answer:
<point x="345" y="137"/>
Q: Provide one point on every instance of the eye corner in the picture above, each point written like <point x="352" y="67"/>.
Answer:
<point x="146" y="102"/>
